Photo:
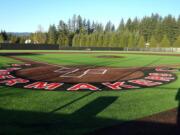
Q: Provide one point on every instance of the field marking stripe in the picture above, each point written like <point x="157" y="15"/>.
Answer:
<point x="86" y="72"/>
<point x="105" y="70"/>
<point x="61" y="70"/>
<point x="44" y="63"/>
<point x="64" y="75"/>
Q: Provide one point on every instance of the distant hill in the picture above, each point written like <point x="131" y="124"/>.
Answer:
<point x="19" y="34"/>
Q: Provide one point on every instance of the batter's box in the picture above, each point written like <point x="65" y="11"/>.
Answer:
<point x="77" y="73"/>
<point x="93" y="72"/>
<point x="63" y="70"/>
<point x="96" y="71"/>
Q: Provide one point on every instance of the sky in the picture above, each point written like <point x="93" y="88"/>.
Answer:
<point x="26" y="15"/>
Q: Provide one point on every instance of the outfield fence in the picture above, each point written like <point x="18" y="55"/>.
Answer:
<point x="7" y="46"/>
<point x="171" y="49"/>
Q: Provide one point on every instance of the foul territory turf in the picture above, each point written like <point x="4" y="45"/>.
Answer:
<point x="34" y="112"/>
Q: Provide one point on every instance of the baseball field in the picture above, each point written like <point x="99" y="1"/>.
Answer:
<point x="81" y="92"/>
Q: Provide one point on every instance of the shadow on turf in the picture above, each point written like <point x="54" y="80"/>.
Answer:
<point x="143" y="127"/>
<point x="82" y="121"/>
<point x="61" y="107"/>
<point x="178" y="99"/>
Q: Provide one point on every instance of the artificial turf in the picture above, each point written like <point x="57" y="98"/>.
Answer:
<point x="129" y="60"/>
<point x="45" y="112"/>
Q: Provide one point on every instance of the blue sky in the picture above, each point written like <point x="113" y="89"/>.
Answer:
<point x="26" y="15"/>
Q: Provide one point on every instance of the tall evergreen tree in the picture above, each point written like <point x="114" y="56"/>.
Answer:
<point x="79" y="24"/>
<point x="131" y="41"/>
<point x="113" y="40"/>
<point x="129" y="24"/>
<point x="159" y="32"/>
<point x="109" y="27"/>
<point x="82" y="32"/>
<point x="118" y="38"/>
<point x="52" y="34"/>
<point x="5" y="35"/>
<point x="153" y="42"/>
<point x="14" y="39"/>
<point x="63" y="27"/>
<point x="1" y="39"/>
<point x="94" y="39"/>
<point x="89" y="27"/>
<point x="100" y="40"/>
<point x="23" y="39"/>
<point x="107" y="38"/>
<point x="76" y="40"/>
<point x="145" y="28"/>
<point x="165" y="42"/>
<point x="141" y="43"/>
<point x="88" y="43"/>
<point x="136" y="39"/>
<point x="177" y="42"/>
<point x="86" y="38"/>
<point x="178" y="24"/>
<point x="125" y="37"/>
<point x="121" y="26"/>
<point x="135" y="24"/>
<point x="40" y="37"/>
<point x="74" y="23"/>
<point x="83" y="40"/>
<point x="70" y="25"/>
<point x="98" y="28"/>
<point x="62" y="40"/>
<point x="170" y="28"/>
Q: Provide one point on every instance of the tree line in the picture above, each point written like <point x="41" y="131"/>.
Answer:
<point x="150" y="31"/>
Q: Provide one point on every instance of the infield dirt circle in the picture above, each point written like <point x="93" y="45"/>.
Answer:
<point x="72" y="74"/>
<point x="76" y="74"/>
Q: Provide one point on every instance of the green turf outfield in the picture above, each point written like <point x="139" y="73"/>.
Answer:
<point x="129" y="60"/>
<point x="44" y="112"/>
<point x="4" y="61"/>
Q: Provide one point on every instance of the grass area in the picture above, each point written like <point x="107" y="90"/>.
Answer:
<point x="4" y="61"/>
<point x="66" y="113"/>
<point x="129" y="60"/>
<point x="39" y="112"/>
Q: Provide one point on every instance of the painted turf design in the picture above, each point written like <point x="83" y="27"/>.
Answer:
<point x="152" y="77"/>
